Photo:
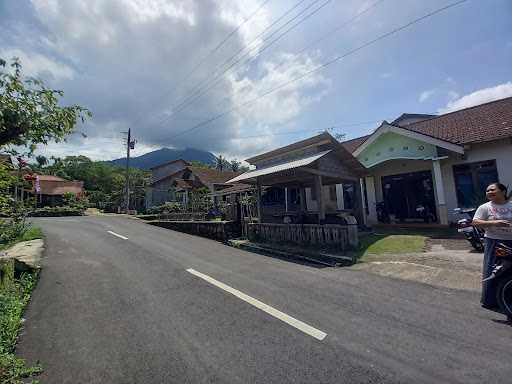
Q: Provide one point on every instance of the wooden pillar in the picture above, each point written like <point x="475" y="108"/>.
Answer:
<point x="320" y="198"/>
<point x="303" y="207"/>
<point x="258" y="199"/>
<point x="286" y="199"/>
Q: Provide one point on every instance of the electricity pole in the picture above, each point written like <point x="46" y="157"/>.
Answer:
<point x="129" y="145"/>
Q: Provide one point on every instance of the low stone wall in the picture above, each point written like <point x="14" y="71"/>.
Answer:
<point x="216" y="230"/>
<point x="342" y="237"/>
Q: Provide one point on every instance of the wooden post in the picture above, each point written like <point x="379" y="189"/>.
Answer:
<point x="286" y="199"/>
<point x="258" y="199"/>
<point x="320" y="198"/>
<point x="303" y="206"/>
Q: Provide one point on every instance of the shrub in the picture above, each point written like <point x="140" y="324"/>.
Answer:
<point x="168" y="207"/>
<point x="56" y="212"/>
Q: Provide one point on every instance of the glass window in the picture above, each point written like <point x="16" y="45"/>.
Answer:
<point x="471" y="181"/>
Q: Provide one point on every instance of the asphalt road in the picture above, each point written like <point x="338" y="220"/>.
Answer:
<point x="109" y="309"/>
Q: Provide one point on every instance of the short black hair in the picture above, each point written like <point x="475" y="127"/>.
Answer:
<point x="503" y="188"/>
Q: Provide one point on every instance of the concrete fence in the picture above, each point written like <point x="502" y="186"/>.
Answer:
<point x="216" y="230"/>
<point x="326" y="235"/>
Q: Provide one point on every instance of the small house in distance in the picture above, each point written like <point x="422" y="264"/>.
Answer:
<point x="176" y="180"/>
<point x="49" y="190"/>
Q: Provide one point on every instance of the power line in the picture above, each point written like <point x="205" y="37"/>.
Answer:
<point x="322" y="66"/>
<point x="184" y="104"/>
<point x="201" y="89"/>
<point x="214" y="50"/>
<point x="265" y="134"/>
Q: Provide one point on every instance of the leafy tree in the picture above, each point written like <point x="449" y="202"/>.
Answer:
<point x="30" y="113"/>
<point x="41" y="161"/>
<point x="221" y="163"/>
<point x="235" y="165"/>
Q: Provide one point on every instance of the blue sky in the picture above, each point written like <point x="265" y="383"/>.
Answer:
<point x="130" y="61"/>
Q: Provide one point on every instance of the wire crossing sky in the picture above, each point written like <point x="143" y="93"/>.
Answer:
<point x="239" y="77"/>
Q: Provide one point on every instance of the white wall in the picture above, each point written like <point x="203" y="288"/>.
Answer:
<point x="500" y="151"/>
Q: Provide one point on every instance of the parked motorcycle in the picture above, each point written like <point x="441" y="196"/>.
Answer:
<point x="382" y="213"/>
<point x="426" y="213"/>
<point x="473" y="234"/>
<point x="502" y="273"/>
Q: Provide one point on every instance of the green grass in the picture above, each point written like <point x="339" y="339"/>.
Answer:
<point x="379" y="244"/>
<point x="14" y="296"/>
<point x="31" y="233"/>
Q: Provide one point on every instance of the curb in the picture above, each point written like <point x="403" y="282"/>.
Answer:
<point x="322" y="258"/>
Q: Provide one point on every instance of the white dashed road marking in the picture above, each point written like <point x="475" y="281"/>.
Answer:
<point x="118" y="235"/>
<point x="307" y="329"/>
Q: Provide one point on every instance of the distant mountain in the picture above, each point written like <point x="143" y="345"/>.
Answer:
<point x="164" y="155"/>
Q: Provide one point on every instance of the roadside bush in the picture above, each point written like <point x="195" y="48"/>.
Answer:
<point x="14" y="225"/>
<point x="169" y="207"/>
<point x="70" y="200"/>
<point x="13" y="299"/>
<point x="56" y="212"/>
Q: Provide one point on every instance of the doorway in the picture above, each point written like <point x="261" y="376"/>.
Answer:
<point x="405" y="193"/>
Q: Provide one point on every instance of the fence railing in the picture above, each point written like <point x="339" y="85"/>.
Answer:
<point x="330" y="235"/>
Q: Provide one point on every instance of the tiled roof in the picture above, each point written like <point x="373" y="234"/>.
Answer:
<point x="169" y="162"/>
<point x="185" y="184"/>
<point x="485" y="122"/>
<point x="212" y="176"/>
<point x="478" y="124"/>
<point x="351" y="145"/>
<point x="50" y="178"/>
<point x="238" y="187"/>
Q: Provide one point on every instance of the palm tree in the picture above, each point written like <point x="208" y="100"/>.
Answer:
<point x="41" y="161"/>
<point x="220" y="163"/>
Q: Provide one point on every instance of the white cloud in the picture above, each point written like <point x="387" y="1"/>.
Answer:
<point x="38" y="65"/>
<point x="289" y="100"/>
<point x="132" y="62"/>
<point x="478" y="97"/>
<point x="425" y="95"/>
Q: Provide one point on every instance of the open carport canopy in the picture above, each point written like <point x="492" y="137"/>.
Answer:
<point x="250" y="177"/>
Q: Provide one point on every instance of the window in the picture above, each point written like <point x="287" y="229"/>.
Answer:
<point x="273" y="196"/>
<point x="471" y="180"/>
<point x="313" y="194"/>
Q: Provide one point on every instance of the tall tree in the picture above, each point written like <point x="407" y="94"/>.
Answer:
<point x="235" y="165"/>
<point x="30" y="113"/>
<point x="221" y="163"/>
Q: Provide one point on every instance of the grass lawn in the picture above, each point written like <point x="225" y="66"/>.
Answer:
<point x="15" y="293"/>
<point x="31" y="234"/>
<point x="397" y="240"/>
<point x="378" y="244"/>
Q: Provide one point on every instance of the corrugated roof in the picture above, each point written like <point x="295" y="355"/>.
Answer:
<point x="279" y="167"/>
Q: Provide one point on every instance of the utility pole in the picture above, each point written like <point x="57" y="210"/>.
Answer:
<point x="129" y="145"/>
